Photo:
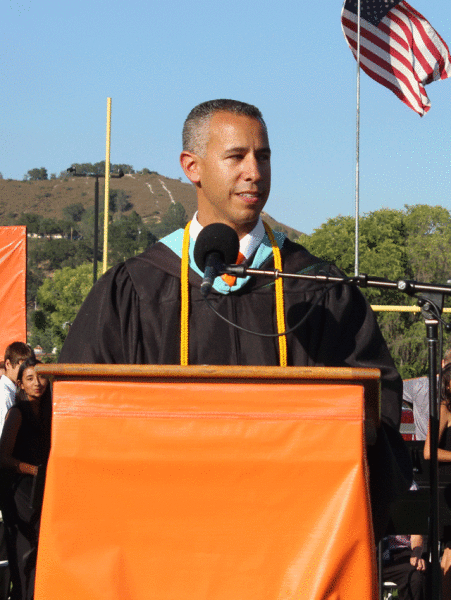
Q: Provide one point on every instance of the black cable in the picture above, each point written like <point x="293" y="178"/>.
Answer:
<point x="274" y="335"/>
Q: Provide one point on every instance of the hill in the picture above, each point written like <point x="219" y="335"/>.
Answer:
<point x="150" y="196"/>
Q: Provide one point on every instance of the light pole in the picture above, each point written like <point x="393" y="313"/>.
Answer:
<point x="73" y="170"/>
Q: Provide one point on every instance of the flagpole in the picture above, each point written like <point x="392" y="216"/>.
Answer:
<point x="107" y="186"/>
<point x="357" y="148"/>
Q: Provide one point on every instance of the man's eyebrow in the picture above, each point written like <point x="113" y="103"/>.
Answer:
<point x="265" y="150"/>
<point x="236" y="149"/>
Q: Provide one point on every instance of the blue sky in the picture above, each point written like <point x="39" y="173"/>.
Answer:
<point x="156" y="60"/>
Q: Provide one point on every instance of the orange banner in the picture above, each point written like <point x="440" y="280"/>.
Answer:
<point x="13" y="273"/>
<point x="206" y="491"/>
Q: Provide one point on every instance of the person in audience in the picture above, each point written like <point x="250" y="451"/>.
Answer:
<point x="444" y="457"/>
<point x="416" y="394"/>
<point x="15" y="354"/>
<point x="404" y="564"/>
<point x="24" y="450"/>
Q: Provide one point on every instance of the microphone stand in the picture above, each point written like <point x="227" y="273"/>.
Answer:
<point x="408" y="286"/>
<point x="431" y="305"/>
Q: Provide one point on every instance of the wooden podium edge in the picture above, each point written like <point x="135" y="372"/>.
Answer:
<point x="207" y="371"/>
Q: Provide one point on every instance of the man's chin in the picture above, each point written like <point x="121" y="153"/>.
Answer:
<point x="250" y="214"/>
<point x="246" y="223"/>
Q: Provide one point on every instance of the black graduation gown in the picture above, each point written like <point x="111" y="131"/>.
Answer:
<point x="132" y="316"/>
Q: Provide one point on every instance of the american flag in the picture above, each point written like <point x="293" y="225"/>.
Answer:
<point x="398" y="48"/>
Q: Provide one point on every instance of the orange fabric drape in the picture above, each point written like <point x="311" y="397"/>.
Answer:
<point x="206" y="491"/>
<point x="13" y="271"/>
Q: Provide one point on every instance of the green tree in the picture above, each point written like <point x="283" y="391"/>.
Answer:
<point x="74" y="212"/>
<point x="119" y="201"/>
<point x="60" y="299"/>
<point x="128" y="236"/>
<point x="428" y="242"/>
<point x="98" y="168"/>
<point x="89" y="168"/>
<point x="32" y="222"/>
<point x="50" y="254"/>
<point x="85" y="227"/>
<point x="36" y="174"/>
<point x="409" y="244"/>
<point x="334" y="242"/>
<point x="44" y="225"/>
<point x="49" y="226"/>
<point x="175" y="218"/>
<point x="35" y="278"/>
<point x="126" y="169"/>
<point x="382" y="243"/>
<point x="39" y="333"/>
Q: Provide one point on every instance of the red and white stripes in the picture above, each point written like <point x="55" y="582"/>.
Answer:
<point x="404" y="53"/>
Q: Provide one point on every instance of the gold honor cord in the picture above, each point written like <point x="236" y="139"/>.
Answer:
<point x="280" y="305"/>
<point x="184" y="316"/>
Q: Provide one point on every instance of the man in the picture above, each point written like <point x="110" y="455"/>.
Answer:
<point x="135" y="312"/>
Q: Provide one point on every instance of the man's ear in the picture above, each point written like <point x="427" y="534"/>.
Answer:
<point x="8" y="364"/>
<point x="190" y="165"/>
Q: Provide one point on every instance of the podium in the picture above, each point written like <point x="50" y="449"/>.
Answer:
<point x="208" y="483"/>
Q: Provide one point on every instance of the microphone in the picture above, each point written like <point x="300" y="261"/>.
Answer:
<point x="216" y="245"/>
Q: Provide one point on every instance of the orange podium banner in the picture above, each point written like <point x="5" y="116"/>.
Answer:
<point x="13" y="274"/>
<point x="207" y="483"/>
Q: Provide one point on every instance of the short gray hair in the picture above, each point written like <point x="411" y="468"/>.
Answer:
<point x="194" y="135"/>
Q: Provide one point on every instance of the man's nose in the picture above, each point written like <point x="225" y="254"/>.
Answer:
<point x="252" y="168"/>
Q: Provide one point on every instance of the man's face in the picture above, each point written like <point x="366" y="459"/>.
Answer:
<point x="233" y="178"/>
<point x="11" y="371"/>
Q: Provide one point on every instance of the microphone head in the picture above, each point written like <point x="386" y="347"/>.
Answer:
<point x="219" y="238"/>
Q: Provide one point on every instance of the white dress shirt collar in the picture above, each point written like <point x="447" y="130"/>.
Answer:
<point x="248" y="244"/>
